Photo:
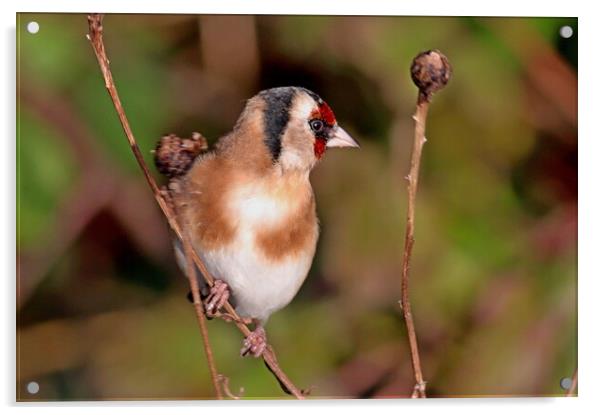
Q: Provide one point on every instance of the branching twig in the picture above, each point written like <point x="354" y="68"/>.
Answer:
<point x="96" y="39"/>
<point x="430" y="72"/>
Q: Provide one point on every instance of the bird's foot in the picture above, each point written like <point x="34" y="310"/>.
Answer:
<point x="218" y="296"/>
<point x="255" y="343"/>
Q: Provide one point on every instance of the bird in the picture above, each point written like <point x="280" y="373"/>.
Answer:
<point x="249" y="207"/>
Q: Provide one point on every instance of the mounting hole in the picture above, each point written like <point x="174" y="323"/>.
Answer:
<point x="33" y="387"/>
<point x="565" y="383"/>
<point x="33" y="27"/>
<point x="566" y="32"/>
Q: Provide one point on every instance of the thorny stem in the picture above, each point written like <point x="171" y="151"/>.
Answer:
<point x="430" y="72"/>
<point x="96" y="40"/>
<point x="412" y="178"/>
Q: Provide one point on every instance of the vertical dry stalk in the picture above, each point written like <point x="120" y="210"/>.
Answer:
<point x="96" y="40"/>
<point x="412" y="178"/>
<point x="430" y="72"/>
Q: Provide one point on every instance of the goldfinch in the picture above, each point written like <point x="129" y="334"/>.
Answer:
<point x="249" y="207"/>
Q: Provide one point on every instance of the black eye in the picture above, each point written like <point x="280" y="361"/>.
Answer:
<point x="316" y="125"/>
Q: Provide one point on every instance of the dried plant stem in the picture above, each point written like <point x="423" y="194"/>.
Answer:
<point x="198" y="307"/>
<point x="573" y="388"/>
<point x="412" y="178"/>
<point x="430" y="72"/>
<point x="96" y="39"/>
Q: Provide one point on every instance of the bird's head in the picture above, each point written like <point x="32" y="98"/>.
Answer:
<point x="297" y="126"/>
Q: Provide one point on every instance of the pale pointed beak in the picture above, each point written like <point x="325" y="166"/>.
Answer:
<point x="340" y="138"/>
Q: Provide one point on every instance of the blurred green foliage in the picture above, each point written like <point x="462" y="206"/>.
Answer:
<point x="101" y="305"/>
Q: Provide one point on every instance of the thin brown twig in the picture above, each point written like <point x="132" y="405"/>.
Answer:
<point x="95" y="37"/>
<point x="96" y="40"/>
<point x="198" y="307"/>
<point x="573" y="388"/>
<point x="430" y="72"/>
<point x="419" y="140"/>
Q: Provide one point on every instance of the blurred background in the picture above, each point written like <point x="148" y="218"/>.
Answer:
<point x="101" y="305"/>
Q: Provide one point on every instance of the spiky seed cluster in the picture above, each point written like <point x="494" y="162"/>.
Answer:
<point x="174" y="155"/>
<point x="431" y="71"/>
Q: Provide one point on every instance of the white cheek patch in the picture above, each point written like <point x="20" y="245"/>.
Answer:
<point x="303" y="107"/>
<point x="297" y="149"/>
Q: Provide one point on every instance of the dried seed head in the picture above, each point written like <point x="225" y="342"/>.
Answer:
<point x="174" y="155"/>
<point x="430" y="72"/>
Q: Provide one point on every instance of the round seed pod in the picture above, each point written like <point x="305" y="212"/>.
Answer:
<point x="430" y="71"/>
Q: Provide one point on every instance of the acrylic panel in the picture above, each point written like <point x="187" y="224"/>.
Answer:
<point x="104" y="308"/>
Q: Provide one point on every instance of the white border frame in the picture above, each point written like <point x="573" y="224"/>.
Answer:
<point x="590" y="202"/>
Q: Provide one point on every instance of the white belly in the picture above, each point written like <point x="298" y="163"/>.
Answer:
<point x="259" y="285"/>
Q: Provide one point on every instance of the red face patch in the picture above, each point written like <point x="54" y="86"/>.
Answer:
<point x="324" y="113"/>
<point x="327" y="114"/>
<point x="319" y="147"/>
